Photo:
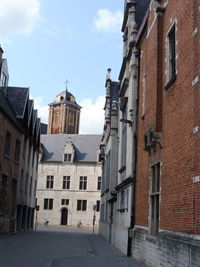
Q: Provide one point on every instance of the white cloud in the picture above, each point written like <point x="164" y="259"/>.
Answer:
<point x="108" y="21"/>
<point x="43" y="110"/>
<point x="18" y="16"/>
<point x="92" y="116"/>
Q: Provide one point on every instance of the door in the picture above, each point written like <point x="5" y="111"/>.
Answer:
<point x="64" y="216"/>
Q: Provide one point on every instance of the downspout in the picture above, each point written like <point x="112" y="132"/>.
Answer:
<point x="136" y="53"/>
<point x="134" y="106"/>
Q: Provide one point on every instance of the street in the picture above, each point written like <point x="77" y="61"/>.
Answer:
<point x="59" y="247"/>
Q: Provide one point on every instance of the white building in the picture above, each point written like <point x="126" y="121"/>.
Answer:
<point x="69" y="180"/>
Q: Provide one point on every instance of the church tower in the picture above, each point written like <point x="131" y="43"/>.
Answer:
<point x="64" y="115"/>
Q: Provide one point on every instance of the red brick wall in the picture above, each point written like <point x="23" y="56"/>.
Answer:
<point x="9" y="166"/>
<point x="175" y="112"/>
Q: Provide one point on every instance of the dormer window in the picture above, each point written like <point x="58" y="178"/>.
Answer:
<point x="67" y="157"/>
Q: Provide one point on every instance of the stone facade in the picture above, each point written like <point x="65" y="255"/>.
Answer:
<point x="109" y="158"/>
<point x="76" y="180"/>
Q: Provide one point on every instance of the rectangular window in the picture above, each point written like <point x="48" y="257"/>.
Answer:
<point x="49" y="181"/>
<point x="82" y="205"/>
<point x="17" y="150"/>
<point x="171" y="53"/>
<point x="83" y="183"/>
<point x="98" y="205"/>
<point x="154" y="198"/>
<point x="3" y="186"/>
<point x="67" y="157"/>
<point x="7" y="144"/>
<point x="48" y="203"/>
<point x="66" y="182"/>
<point x="99" y="183"/>
<point x="144" y="96"/>
<point x="64" y="201"/>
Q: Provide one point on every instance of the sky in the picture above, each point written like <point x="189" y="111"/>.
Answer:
<point x="47" y="42"/>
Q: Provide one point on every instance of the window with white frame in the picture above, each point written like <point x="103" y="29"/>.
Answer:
<point x="83" y="183"/>
<point x="171" y="55"/>
<point x="49" y="181"/>
<point x="98" y="205"/>
<point x="154" y="198"/>
<point x="48" y="203"/>
<point x="65" y="202"/>
<point x="81" y="205"/>
<point x="66" y="182"/>
<point x="99" y="183"/>
<point x="67" y="157"/>
<point x="144" y="96"/>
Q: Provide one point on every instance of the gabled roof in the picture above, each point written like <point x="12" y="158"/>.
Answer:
<point x="30" y="110"/>
<point x="8" y="110"/>
<point x="85" y="147"/>
<point x="18" y="97"/>
<point x="141" y="9"/>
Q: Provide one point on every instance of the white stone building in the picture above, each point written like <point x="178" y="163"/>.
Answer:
<point x="69" y="180"/>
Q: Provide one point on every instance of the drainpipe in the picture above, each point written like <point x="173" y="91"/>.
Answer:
<point x="136" y="54"/>
<point x="135" y="87"/>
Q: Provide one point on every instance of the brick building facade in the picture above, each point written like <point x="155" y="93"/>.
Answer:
<point x="64" y="114"/>
<point x="167" y="176"/>
<point x="19" y="150"/>
<point x="159" y="83"/>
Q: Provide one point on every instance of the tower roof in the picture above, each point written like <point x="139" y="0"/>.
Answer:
<point x="65" y="97"/>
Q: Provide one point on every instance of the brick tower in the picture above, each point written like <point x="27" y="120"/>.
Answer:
<point x="64" y="114"/>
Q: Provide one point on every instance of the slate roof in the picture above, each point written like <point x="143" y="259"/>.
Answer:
<point x="66" y="99"/>
<point x="18" y="97"/>
<point x="85" y="147"/>
<point x="141" y="9"/>
<point x="8" y="110"/>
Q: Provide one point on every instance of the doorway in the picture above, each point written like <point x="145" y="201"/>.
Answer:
<point x="64" y="216"/>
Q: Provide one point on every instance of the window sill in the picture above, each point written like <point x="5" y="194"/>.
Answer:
<point x="16" y="162"/>
<point x="171" y="81"/>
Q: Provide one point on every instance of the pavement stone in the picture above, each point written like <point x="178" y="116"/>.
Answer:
<point x="60" y="247"/>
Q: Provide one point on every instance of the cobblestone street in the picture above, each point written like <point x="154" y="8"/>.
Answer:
<point x="59" y="247"/>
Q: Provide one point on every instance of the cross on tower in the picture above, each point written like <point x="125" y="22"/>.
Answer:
<point x="66" y="82"/>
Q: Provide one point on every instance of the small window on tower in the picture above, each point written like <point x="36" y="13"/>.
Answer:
<point x="71" y="118"/>
<point x="72" y="98"/>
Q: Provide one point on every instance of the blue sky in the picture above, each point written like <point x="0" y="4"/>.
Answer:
<point x="49" y="41"/>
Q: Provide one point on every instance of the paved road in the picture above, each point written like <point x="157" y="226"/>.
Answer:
<point x="60" y="247"/>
